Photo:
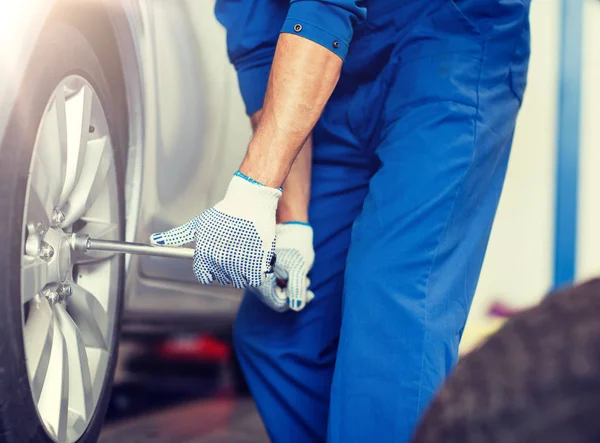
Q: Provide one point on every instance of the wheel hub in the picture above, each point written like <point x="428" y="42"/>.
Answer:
<point x="64" y="260"/>
<point x="55" y="249"/>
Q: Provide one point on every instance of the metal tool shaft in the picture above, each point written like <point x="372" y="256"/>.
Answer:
<point x="85" y="243"/>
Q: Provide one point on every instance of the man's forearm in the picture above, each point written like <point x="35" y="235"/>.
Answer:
<point x="302" y="79"/>
<point x="293" y="205"/>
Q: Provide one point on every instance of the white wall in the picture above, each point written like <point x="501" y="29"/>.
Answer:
<point x="588" y="241"/>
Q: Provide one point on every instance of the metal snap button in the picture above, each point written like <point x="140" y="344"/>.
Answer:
<point x="336" y="44"/>
<point x="297" y="27"/>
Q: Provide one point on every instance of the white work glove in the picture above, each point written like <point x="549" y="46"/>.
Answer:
<point x="295" y="257"/>
<point x="235" y="240"/>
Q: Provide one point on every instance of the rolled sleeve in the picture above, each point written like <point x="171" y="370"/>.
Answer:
<point x="253" y="77"/>
<point x="252" y="30"/>
<point x="329" y="23"/>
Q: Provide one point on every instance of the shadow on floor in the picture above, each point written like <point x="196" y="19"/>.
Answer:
<point x="153" y="385"/>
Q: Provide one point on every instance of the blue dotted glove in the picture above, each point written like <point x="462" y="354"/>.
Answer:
<point x="235" y="240"/>
<point x="295" y="257"/>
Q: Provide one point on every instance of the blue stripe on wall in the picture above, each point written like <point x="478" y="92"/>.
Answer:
<point x="567" y="168"/>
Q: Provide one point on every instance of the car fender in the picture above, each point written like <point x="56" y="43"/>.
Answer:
<point x="20" y="26"/>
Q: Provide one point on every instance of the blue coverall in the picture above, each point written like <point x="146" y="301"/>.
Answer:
<point x="409" y="160"/>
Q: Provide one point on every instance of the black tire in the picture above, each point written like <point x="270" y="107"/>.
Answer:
<point x="62" y="50"/>
<point x="536" y="380"/>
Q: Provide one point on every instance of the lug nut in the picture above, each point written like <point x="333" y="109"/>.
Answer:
<point x="51" y="296"/>
<point x="46" y="251"/>
<point x="58" y="217"/>
<point x="64" y="291"/>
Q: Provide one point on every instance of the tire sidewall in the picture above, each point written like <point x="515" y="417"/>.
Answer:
<point x="61" y="51"/>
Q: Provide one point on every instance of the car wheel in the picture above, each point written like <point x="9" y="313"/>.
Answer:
<point x="61" y="172"/>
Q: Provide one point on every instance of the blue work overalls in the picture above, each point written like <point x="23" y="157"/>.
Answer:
<point x="409" y="160"/>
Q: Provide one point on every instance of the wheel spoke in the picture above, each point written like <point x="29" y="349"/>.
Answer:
<point x="78" y="112"/>
<point x="89" y="316"/>
<point x="53" y="403"/>
<point x="40" y="202"/>
<point x="97" y="163"/>
<point x="98" y="360"/>
<point x="97" y="230"/>
<point x="38" y="334"/>
<point x="77" y="425"/>
<point x="80" y="385"/>
<point x="34" y="276"/>
<point x="52" y="143"/>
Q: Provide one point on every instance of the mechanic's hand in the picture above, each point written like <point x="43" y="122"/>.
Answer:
<point x="235" y="240"/>
<point x="295" y="256"/>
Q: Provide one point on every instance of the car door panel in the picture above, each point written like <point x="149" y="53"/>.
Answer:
<point x="196" y="136"/>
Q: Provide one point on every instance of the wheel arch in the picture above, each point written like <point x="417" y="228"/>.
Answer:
<point x="113" y="29"/>
<point x="107" y="27"/>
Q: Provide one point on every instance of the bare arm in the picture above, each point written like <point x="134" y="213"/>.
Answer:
<point x="302" y="79"/>
<point x="293" y="205"/>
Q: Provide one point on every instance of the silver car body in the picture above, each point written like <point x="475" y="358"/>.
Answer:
<point x="195" y="139"/>
<point x="187" y="135"/>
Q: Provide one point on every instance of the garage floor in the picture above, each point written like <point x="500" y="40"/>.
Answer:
<point x="165" y="400"/>
<point x="206" y="421"/>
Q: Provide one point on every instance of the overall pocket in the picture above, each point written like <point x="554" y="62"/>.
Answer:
<point x="520" y="63"/>
<point x="366" y="106"/>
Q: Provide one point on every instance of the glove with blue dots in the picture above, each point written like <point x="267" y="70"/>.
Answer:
<point x="295" y="257"/>
<point x="235" y="240"/>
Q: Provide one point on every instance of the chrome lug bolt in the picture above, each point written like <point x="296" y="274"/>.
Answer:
<point x="46" y="251"/>
<point x="58" y="217"/>
<point x="64" y="291"/>
<point x="51" y="296"/>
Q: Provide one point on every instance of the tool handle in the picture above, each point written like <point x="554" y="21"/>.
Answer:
<point x="88" y="244"/>
<point x="85" y="243"/>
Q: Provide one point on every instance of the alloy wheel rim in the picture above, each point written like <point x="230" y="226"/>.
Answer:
<point x="69" y="299"/>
